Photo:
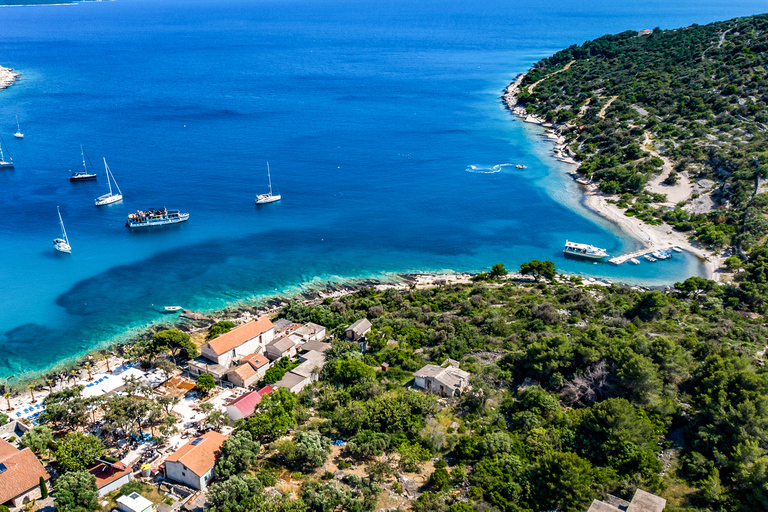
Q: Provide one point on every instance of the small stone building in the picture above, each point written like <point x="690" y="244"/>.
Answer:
<point x="445" y="380"/>
<point x="642" y="501"/>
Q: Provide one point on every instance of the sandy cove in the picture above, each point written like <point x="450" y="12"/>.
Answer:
<point x="652" y="237"/>
<point x="7" y="77"/>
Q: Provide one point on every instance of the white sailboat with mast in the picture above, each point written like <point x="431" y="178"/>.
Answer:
<point x="83" y="175"/>
<point x="111" y="197"/>
<point x="62" y="244"/>
<point x="18" y="133"/>
<point x="269" y="197"/>
<point x="5" y="164"/>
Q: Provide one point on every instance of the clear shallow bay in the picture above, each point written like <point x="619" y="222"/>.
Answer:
<point x="381" y="121"/>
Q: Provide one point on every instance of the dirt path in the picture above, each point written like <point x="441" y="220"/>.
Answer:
<point x="601" y="114"/>
<point x="680" y="191"/>
<point x="533" y="85"/>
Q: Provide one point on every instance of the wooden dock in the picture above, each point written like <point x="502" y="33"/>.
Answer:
<point x="618" y="260"/>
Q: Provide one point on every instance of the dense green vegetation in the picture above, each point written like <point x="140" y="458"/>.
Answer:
<point x="695" y="95"/>
<point x="576" y="391"/>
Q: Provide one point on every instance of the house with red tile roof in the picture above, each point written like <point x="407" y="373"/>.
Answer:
<point x="246" y="339"/>
<point x="193" y="463"/>
<point x="243" y="406"/>
<point x="20" y="472"/>
<point x="111" y="476"/>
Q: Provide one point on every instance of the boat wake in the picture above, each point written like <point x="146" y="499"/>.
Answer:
<point x="484" y="169"/>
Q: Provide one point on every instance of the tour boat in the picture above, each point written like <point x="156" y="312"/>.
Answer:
<point x="83" y="175"/>
<point x="3" y="163"/>
<point x="584" y="250"/>
<point x="661" y="255"/>
<point x="18" y="133"/>
<point x="110" y="197"/>
<point x="269" y="197"/>
<point x="155" y="217"/>
<point x="62" y="244"/>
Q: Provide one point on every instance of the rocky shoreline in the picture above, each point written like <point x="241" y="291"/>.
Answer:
<point x="651" y="237"/>
<point x="7" y="77"/>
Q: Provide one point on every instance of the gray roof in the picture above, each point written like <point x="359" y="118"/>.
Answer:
<point x="305" y="369"/>
<point x="316" y="346"/>
<point x="289" y="380"/>
<point x="309" y="329"/>
<point x="360" y="326"/>
<point x="646" y="502"/>
<point x="314" y="356"/>
<point x="283" y="344"/>
<point x="431" y="370"/>
<point x="453" y="378"/>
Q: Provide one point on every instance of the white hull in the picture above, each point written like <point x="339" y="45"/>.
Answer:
<point x="163" y="220"/>
<point x="7" y="165"/>
<point x="108" y="199"/>
<point x="635" y="261"/>
<point x="172" y="308"/>
<point x="585" y="255"/>
<point x="62" y="246"/>
<point x="18" y="135"/>
<point x="266" y="198"/>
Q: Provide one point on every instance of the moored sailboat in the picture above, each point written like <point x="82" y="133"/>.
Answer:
<point x="62" y="244"/>
<point x="18" y="133"/>
<point x="269" y="197"/>
<point x="5" y="164"/>
<point x="83" y="175"/>
<point x="110" y="197"/>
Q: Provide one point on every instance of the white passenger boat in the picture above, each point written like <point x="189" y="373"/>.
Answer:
<point x="62" y="244"/>
<point x="110" y="197"/>
<point x="584" y="250"/>
<point x="634" y="261"/>
<point x="661" y="255"/>
<point x="268" y="197"/>
<point x="18" y="133"/>
<point x="155" y="217"/>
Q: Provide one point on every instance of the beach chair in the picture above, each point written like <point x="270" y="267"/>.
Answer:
<point x="18" y="414"/>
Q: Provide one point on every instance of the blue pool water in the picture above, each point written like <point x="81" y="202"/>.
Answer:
<point x="381" y="121"/>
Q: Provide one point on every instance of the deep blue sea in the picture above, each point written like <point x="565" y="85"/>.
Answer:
<point x="381" y="121"/>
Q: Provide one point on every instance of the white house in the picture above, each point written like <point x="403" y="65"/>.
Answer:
<point x="193" y="463"/>
<point x="310" y="332"/>
<point x="110" y="476"/>
<point x="134" y="502"/>
<point x="445" y="380"/>
<point x="243" y="340"/>
<point x="283" y="347"/>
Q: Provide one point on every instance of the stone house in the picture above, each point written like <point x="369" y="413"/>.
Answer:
<point x="358" y="330"/>
<point x="20" y="472"/>
<point x="243" y="340"/>
<point x="283" y="347"/>
<point x="642" y="501"/>
<point x="445" y="380"/>
<point x="251" y="369"/>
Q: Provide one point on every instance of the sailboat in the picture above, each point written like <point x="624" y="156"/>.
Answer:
<point x="268" y="198"/>
<point x="84" y="174"/>
<point x="62" y="244"/>
<point x="3" y="163"/>
<point x="18" y="133"/>
<point x="110" y="197"/>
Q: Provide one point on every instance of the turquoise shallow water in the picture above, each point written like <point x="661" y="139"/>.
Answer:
<point x="383" y="127"/>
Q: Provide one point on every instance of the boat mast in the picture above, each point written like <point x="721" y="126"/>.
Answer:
<point x="63" y="231"/>
<point x="109" y="173"/>
<point x="18" y="128"/>
<point x="106" y="168"/>
<point x="82" y="154"/>
<point x="270" y="179"/>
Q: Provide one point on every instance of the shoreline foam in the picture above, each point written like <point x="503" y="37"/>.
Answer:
<point x="649" y="236"/>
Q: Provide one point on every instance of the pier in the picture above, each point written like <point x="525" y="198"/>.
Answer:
<point x="618" y="260"/>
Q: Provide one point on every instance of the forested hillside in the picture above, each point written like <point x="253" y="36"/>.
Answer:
<point x="695" y="96"/>
<point x="577" y="391"/>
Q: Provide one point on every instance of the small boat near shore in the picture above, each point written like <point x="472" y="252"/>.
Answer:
<point x="110" y="197"/>
<point x="584" y="251"/>
<point x="661" y="255"/>
<point x="649" y="258"/>
<point x="83" y="175"/>
<point x="634" y="261"/>
<point x="677" y="249"/>
<point x="172" y="309"/>
<point x="62" y="244"/>
<point x="268" y="197"/>
<point x="155" y="217"/>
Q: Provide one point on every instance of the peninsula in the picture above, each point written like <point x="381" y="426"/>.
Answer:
<point x="7" y="77"/>
<point x="667" y="129"/>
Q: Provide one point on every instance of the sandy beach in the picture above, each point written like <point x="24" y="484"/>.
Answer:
<point x="7" y="77"/>
<point x="651" y="237"/>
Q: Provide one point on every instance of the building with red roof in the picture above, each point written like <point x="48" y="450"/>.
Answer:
<point x="243" y="406"/>
<point x="20" y="472"/>
<point x="193" y="463"/>
<point x="110" y="476"/>
<point x="246" y="339"/>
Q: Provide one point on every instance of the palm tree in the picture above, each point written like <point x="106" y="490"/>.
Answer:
<point x="32" y="392"/>
<point x="88" y="367"/>
<point x="8" y="398"/>
<point x="106" y="358"/>
<point x="50" y="385"/>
